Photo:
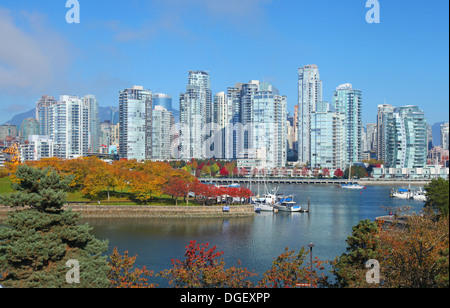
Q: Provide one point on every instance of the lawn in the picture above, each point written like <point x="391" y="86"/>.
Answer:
<point x="115" y="197"/>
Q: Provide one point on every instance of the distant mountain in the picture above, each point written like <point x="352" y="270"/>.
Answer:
<point x="18" y="118"/>
<point x="105" y="113"/>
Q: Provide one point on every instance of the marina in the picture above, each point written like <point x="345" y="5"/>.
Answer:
<point x="255" y="239"/>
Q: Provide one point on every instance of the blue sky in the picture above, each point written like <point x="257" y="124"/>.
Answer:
<point x="403" y="60"/>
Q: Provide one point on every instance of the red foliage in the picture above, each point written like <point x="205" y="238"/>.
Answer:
<point x="224" y="172"/>
<point x="339" y="173"/>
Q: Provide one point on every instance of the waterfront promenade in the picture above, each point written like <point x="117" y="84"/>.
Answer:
<point x="274" y="180"/>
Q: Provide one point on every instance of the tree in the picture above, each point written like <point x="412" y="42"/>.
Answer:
<point x="177" y="188"/>
<point x="416" y="256"/>
<point x="202" y="268"/>
<point x="288" y="271"/>
<point x="437" y="196"/>
<point x="122" y="273"/>
<point x="38" y="240"/>
<point x="363" y="245"/>
<point x="357" y="171"/>
<point x="41" y="189"/>
<point x="224" y="172"/>
<point x="338" y="173"/>
<point x="206" y="170"/>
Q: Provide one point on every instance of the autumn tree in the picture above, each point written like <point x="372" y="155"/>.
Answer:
<point x="203" y="268"/>
<point x="177" y="188"/>
<point x="289" y="270"/>
<point x="416" y="255"/>
<point x="224" y="172"/>
<point x="123" y="274"/>
<point x="338" y="173"/>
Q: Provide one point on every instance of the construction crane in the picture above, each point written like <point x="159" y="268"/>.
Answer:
<point x="14" y="154"/>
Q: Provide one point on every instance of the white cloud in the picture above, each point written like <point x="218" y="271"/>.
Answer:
<point x="31" y="59"/>
<point x="174" y="14"/>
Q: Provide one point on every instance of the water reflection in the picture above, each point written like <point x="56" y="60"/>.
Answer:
<point x="255" y="241"/>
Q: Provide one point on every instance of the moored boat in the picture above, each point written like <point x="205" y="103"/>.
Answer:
<point x="287" y="204"/>
<point x="420" y="195"/>
<point x="402" y="193"/>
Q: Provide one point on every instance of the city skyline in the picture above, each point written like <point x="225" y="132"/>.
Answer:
<point x="157" y="44"/>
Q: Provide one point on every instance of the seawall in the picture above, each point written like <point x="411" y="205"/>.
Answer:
<point x="109" y="211"/>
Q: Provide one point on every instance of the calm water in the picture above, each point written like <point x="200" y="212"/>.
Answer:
<point x="255" y="241"/>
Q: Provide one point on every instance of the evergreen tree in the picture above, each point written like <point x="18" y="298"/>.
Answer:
<point x="363" y="244"/>
<point x="40" y="237"/>
<point x="437" y="196"/>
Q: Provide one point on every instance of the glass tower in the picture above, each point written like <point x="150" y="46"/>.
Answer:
<point x="348" y="101"/>
<point x="309" y="94"/>
<point x="406" y="138"/>
<point x="135" y="127"/>
<point x="195" y="116"/>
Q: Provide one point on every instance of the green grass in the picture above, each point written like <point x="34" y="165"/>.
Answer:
<point x="5" y="185"/>
<point x="116" y="198"/>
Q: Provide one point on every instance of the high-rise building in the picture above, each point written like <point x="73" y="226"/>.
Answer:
<point x="348" y="101"/>
<point x="94" y="123"/>
<point x="322" y="137"/>
<point x="250" y="125"/>
<point x="268" y="131"/>
<point x="406" y="133"/>
<point x="135" y="127"/>
<point x="309" y="94"/>
<point x="383" y="112"/>
<point x="195" y="116"/>
<point x="222" y="125"/>
<point x="371" y="132"/>
<point x="44" y="109"/>
<point x="29" y="126"/>
<point x="162" y="123"/>
<point x="8" y="130"/>
<point x="37" y="147"/>
<point x="444" y="137"/>
<point x="69" y="127"/>
<point x="161" y="99"/>
<point x="328" y="143"/>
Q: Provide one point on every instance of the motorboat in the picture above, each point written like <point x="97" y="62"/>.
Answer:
<point x="287" y="204"/>
<point x="402" y="193"/>
<point x="353" y="186"/>
<point x="261" y="205"/>
<point x="420" y="195"/>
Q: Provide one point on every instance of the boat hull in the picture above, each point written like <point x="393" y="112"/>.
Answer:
<point x="294" y="208"/>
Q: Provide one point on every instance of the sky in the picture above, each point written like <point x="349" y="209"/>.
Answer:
<point x="403" y="60"/>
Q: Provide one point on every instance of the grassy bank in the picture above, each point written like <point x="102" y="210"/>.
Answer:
<point x="116" y="198"/>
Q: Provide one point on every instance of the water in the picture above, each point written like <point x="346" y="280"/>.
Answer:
<point x="255" y="241"/>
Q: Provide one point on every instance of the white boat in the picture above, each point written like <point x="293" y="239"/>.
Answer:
<point x="350" y="185"/>
<point x="287" y="204"/>
<point x="353" y="186"/>
<point x="402" y="193"/>
<point x="420" y="195"/>
<point x="261" y="205"/>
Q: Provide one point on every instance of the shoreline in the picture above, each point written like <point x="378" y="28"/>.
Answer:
<point x="152" y="211"/>
<point x="309" y="181"/>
